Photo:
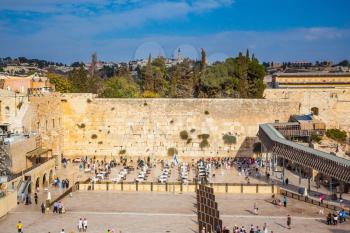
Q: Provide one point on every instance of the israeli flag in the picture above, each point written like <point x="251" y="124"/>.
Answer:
<point x="175" y="160"/>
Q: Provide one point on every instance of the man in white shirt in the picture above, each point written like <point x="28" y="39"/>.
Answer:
<point x="85" y="223"/>
<point x="80" y="225"/>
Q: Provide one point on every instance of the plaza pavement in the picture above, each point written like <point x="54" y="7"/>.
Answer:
<point x="136" y="212"/>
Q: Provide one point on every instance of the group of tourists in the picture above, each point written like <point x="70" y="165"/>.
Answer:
<point x="243" y="229"/>
<point x="336" y="217"/>
<point x="278" y="202"/>
<point x="58" y="208"/>
<point x="64" y="184"/>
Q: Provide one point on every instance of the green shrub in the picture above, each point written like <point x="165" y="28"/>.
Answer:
<point x="229" y="139"/>
<point x="100" y="142"/>
<point x="122" y="152"/>
<point x="336" y="134"/>
<point x="206" y="112"/>
<point x="94" y="136"/>
<point x="19" y="105"/>
<point x="81" y="126"/>
<point x="183" y="135"/>
<point x="316" y="138"/>
<point x="189" y="140"/>
<point x="203" y="136"/>
<point x="172" y="151"/>
<point x="204" y="143"/>
<point x="193" y="130"/>
<point x="88" y="101"/>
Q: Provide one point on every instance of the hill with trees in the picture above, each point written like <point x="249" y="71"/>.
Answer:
<point x="236" y="77"/>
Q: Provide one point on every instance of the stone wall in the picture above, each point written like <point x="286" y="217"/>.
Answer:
<point x="45" y="116"/>
<point x="333" y="103"/>
<point x="149" y="127"/>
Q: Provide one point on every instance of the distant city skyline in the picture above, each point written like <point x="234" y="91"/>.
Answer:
<point x="67" y="31"/>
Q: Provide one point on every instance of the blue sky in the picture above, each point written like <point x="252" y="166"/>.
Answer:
<point x="120" y="30"/>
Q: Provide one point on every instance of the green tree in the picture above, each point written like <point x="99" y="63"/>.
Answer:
<point x="120" y="87"/>
<point x="62" y="84"/>
<point x="148" y="80"/>
<point x="183" y="74"/>
<point x="256" y="74"/>
<point x="79" y="80"/>
<point x="242" y="75"/>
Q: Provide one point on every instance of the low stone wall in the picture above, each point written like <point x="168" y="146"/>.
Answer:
<point x="7" y="203"/>
<point x="178" y="187"/>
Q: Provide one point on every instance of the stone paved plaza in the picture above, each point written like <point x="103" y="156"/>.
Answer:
<point x="165" y="212"/>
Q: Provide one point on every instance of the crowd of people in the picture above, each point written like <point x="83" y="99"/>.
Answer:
<point x="336" y="217"/>
<point x="64" y="184"/>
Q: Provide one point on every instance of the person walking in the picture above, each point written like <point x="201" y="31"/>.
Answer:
<point x="19" y="227"/>
<point x="289" y="221"/>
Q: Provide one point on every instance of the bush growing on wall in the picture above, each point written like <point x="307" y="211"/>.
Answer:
<point x="204" y="143"/>
<point x="81" y="126"/>
<point x="172" y="151"/>
<point x="203" y="136"/>
<point x="316" y="138"/>
<point x="183" y="135"/>
<point x="229" y="139"/>
<point x="336" y="134"/>
<point x="122" y="152"/>
<point x="19" y="105"/>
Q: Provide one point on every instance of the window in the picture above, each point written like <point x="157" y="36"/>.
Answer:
<point x="53" y="123"/>
<point x="314" y="111"/>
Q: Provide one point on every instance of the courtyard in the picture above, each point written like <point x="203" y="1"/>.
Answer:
<point x="131" y="212"/>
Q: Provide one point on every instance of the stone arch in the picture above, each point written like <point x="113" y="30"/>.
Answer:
<point x="30" y="188"/>
<point x="315" y="111"/>
<point x="51" y="176"/>
<point x="45" y="181"/>
<point x="37" y="182"/>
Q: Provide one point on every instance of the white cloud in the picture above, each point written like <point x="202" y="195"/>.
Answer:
<point x="267" y="46"/>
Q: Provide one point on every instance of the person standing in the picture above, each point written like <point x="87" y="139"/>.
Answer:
<point x="36" y="198"/>
<point x="80" y="225"/>
<point x="85" y="225"/>
<point x="284" y="200"/>
<point x="42" y="208"/>
<point x="289" y="221"/>
<point x="19" y="227"/>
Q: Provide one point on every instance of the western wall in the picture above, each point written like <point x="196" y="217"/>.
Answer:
<point x="149" y="127"/>
<point x="81" y="124"/>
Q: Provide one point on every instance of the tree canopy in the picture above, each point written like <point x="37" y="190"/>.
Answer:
<point x="236" y="77"/>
